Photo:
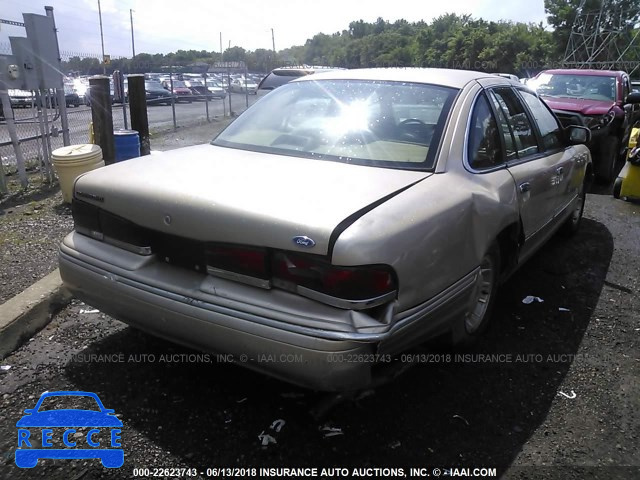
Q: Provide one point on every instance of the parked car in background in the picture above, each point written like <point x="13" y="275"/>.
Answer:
<point x="156" y="94"/>
<point x="21" y="98"/>
<point x="598" y="99"/>
<point x="510" y="76"/>
<point x="280" y="76"/>
<point x="81" y="85"/>
<point x="198" y="89"/>
<point x="180" y="90"/>
<point x="216" y="89"/>
<point x="242" y="85"/>
<point x="342" y="219"/>
<point x="72" y="99"/>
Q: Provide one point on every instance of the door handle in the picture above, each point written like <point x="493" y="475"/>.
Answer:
<point x="525" y="187"/>
<point x="559" y="170"/>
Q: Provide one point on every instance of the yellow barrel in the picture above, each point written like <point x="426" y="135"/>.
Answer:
<point x="72" y="161"/>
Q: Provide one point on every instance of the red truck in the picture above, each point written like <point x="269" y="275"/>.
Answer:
<point x="598" y="99"/>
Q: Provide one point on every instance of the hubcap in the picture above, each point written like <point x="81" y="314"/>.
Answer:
<point x="481" y="295"/>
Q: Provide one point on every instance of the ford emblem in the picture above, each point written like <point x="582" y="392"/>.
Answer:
<point x="304" y="241"/>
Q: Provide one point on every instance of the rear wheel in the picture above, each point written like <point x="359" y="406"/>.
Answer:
<point x="475" y="320"/>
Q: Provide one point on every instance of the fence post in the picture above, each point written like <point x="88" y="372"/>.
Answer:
<point x="138" y="111"/>
<point x="173" y="99"/>
<point x="11" y="126"/>
<point x="206" y="95"/>
<point x="102" y="117"/>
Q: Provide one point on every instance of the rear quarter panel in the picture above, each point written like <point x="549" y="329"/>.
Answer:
<point x="437" y="231"/>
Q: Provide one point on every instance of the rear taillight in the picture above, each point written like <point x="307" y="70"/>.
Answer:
<point x="101" y="225"/>
<point x="86" y="219"/>
<point x="362" y="283"/>
<point x="345" y="287"/>
<point x="238" y="263"/>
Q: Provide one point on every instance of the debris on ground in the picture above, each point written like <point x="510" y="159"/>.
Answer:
<point x="328" y="431"/>
<point x="92" y="310"/>
<point x="266" y="439"/>
<point x="277" y="425"/>
<point x="530" y="299"/>
<point x="461" y="418"/>
<point x="570" y="396"/>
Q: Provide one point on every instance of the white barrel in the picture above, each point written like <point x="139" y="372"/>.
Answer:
<point x="72" y="161"/>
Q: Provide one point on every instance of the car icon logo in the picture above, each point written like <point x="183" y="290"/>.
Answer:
<point x="36" y="430"/>
<point x="304" y="241"/>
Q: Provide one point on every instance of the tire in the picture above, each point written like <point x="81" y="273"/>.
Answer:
<point x="475" y="320"/>
<point x="572" y="224"/>
<point x="605" y="166"/>
<point x="617" y="187"/>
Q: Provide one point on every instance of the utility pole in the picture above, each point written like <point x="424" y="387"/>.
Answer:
<point x="273" y="42"/>
<point x="104" y="65"/>
<point x="133" y="45"/>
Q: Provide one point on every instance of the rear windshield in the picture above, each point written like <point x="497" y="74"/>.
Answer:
<point x="392" y="124"/>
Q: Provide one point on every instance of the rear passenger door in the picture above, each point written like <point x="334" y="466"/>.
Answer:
<point x="531" y="168"/>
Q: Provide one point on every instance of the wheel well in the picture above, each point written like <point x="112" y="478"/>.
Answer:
<point x="509" y="241"/>
<point x="588" y="177"/>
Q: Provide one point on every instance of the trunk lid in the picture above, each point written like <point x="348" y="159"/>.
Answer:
<point x="220" y="194"/>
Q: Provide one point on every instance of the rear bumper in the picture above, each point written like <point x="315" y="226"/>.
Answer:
<point x="209" y="323"/>
<point x="276" y="332"/>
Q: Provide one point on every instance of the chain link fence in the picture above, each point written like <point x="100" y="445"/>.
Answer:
<point x="38" y="120"/>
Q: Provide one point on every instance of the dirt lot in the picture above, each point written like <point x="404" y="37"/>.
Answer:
<point x="552" y="390"/>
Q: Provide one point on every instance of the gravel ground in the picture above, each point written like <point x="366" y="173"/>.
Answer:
<point x="563" y="406"/>
<point x="33" y="222"/>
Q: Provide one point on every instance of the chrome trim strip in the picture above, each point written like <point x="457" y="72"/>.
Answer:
<point x="130" y="247"/>
<point x="238" y="277"/>
<point x="94" y="234"/>
<point x="343" y="302"/>
<point x="417" y="313"/>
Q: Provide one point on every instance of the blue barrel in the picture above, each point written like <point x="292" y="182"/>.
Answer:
<point x="127" y="144"/>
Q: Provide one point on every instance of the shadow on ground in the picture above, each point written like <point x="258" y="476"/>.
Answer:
<point x="445" y="412"/>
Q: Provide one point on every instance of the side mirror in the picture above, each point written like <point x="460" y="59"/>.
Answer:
<point x="633" y="98"/>
<point x="579" y="135"/>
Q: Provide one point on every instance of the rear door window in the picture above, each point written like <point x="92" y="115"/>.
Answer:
<point x="484" y="149"/>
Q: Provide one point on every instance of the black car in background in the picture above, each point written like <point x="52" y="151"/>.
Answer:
<point x="156" y="94"/>
<point x="71" y="98"/>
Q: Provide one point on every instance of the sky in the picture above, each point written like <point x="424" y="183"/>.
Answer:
<point x="163" y="26"/>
